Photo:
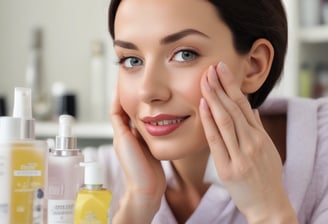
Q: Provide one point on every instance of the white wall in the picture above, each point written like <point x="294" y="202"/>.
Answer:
<point x="69" y="28"/>
<point x="288" y="86"/>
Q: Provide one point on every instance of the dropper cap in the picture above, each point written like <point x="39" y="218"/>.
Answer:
<point x="23" y="110"/>
<point x="65" y="139"/>
<point x="92" y="174"/>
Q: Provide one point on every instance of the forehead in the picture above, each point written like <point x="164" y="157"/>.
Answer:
<point x="162" y="16"/>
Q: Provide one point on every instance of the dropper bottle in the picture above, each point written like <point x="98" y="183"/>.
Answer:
<point x="65" y="176"/>
<point x="93" y="200"/>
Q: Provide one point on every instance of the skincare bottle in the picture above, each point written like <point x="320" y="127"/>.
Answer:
<point x="9" y="132"/>
<point x="65" y="176"/>
<point x="27" y="165"/>
<point x="93" y="201"/>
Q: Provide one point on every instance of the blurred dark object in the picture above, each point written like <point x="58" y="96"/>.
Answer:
<point x="67" y="104"/>
<point x="3" y="106"/>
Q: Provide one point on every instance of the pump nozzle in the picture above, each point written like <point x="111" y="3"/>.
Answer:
<point x="65" y="125"/>
<point x="23" y="110"/>
<point x="65" y="140"/>
<point x="23" y="103"/>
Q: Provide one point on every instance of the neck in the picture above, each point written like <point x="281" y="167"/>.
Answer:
<point x="190" y="171"/>
<point x="185" y="196"/>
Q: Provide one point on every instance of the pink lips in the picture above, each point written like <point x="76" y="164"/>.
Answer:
<point x="162" y="124"/>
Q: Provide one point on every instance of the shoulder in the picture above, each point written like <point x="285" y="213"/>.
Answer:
<point x="313" y="128"/>
<point x="308" y="128"/>
<point x="306" y="167"/>
<point x="318" y="189"/>
<point x="321" y="165"/>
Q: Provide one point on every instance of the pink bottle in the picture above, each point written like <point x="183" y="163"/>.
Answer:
<point x="65" y="176"/>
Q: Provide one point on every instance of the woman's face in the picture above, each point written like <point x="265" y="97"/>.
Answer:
<point x="164" y="47"/>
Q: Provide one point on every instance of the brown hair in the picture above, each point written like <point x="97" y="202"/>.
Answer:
<point x="248" y="20"/>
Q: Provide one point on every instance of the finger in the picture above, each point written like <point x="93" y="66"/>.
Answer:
<point x="119" y="119"/>
<point x="141" y="170"/>
<point x="258" y="118"/>
<point x="139" y="137"/>
<point x="232" y="89"/>
<point x="242" y="128"/>
<point x="217" y="146"/>
<point x="221" y="118"/>
<point x="127" y="147"/>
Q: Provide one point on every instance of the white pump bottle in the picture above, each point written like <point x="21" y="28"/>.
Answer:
<point x="65" y="176"/>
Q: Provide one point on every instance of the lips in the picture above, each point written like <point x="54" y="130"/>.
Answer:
<point x="162" y="125"/>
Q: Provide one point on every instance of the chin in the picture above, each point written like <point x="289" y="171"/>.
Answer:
<point x="175" y="150"/>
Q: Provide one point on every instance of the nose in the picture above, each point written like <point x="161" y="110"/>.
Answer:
<point x="155" y="87"/>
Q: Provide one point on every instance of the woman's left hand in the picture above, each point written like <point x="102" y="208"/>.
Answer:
<point x="246" y="159"/>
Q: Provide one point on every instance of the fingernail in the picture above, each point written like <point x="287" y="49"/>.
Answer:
<point x="222" y="67"/>
<point x="213" y="74"/>
<point x="203" y="103"/>
<point x="205" y="82"/>
<point x="206" y="85"/>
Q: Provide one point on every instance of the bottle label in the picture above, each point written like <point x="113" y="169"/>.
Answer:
<point x="27" y="184"/>
<point x="91" y="218"/>
<point x="60" y="211"/>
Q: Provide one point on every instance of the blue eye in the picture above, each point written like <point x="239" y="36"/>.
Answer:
<point x="130" y="62"/>
<point x="185" y="55"/>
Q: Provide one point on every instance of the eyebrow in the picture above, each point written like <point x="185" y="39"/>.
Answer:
<point x="125" y="44"/>
<point x="166" y="40"/>
<point x="181" y="34"/>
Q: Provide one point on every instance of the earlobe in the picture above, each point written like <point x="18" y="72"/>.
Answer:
<point x="259" y="61"/>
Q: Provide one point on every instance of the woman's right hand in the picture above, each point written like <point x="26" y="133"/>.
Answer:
<point x="144" y="176"/>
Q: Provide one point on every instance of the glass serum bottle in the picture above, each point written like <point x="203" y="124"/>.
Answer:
<point x="65" y="176"/>
<point x="93" y="201"/>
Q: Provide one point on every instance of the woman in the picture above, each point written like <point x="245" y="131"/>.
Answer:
<point x="190" y="144"/>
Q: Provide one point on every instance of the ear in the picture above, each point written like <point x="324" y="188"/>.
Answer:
<point x="259" y="61"/>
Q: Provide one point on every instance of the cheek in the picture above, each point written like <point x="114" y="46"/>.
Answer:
<point x="189" y="86"/>
<point x="127" y="97"/>
<point x="191" y="92"/>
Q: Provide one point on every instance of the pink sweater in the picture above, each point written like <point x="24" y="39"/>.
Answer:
<point x="305" y="172"/>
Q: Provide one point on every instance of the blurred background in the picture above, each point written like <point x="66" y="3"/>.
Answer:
<point x="62" y="50"/>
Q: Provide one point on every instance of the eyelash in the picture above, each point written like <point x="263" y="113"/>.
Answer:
<point x="195" y="54"/>
<point x="122" y="59"/>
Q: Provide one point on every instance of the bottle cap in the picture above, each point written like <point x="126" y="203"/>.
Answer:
<point x="23" y="110"/>
<point x="9" y="129"/>
<point x="93" y="173"/>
